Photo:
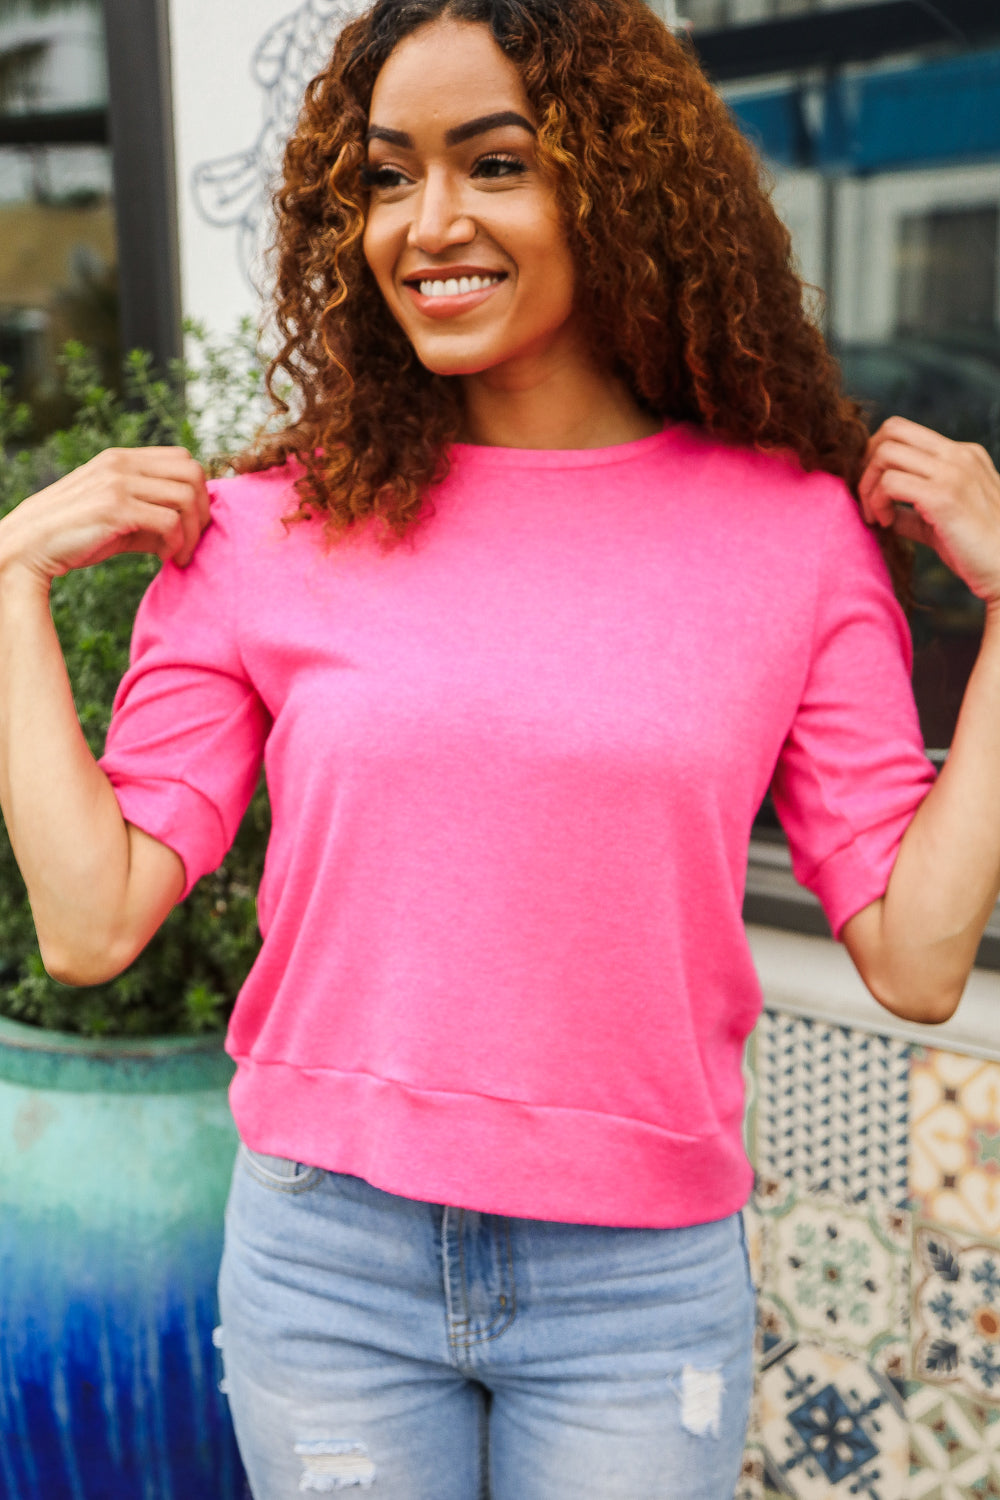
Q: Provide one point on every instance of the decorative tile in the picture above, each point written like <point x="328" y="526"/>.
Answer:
<point x="837" y="1275"/>
<point x="750" y="1092"/>
<point x="831" y="1426"/>
<point x="776" y="1328"/>
<point x="956" y="1312"/>
<point x="753" y="1228"/>
<point x="954" y="1446"/>
<point x="955" y="1154"/>
<point x="831" y="1113"/>
<point x="751" y="1481"/>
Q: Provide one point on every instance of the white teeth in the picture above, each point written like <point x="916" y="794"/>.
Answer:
<point x="457" y="286"/>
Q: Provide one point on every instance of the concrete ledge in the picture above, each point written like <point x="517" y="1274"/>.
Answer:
<point x="813" y="977"/>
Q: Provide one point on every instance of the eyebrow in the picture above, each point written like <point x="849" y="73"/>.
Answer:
<point x="458" y="133"/>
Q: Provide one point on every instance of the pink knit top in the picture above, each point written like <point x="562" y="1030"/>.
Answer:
<point x="513" y="766"/>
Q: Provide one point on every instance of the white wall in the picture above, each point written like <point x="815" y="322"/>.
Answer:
<point x="239" y="72"/>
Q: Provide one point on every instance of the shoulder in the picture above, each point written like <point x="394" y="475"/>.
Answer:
<point x="240" y="502"/>
<point x="250" y="513"/>
<point x="767" y="472"/>
<point x="762" y="487"/>
<point x="247" y="520"/>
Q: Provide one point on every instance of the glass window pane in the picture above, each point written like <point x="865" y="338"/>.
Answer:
<point x="888" y="176"/>
<point x="51" y="56"/>
<point x="706" y="14"/>
<point x="946" y="271"/>
<point x="58" y="276"/>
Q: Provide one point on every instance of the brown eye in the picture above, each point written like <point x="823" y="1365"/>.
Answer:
<point x="499" y="164"/>
<point x="381" y="177"/>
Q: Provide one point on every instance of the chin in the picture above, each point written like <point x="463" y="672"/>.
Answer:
<point x="453" y="364"/>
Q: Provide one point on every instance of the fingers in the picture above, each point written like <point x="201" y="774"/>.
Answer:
<point x="901" y="429"/>
<point x="901" y="449"/>
<point x="892" y="455"/>
<point x="149" y="499"/>
<point x="166" y="477"/>
<point x="140" y="526"/>
<point x="887" y="489"/>
<point x="908" y="523"/>
<point x="177" y="496"/>
<point x="178" y="465"/>
<point x="943" y="493"/>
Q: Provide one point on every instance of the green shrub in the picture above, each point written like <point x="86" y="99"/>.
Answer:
<point x="188" y="976"/>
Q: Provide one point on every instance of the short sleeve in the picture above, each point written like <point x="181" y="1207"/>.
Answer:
<point x="852" y="771"/>
<point x="187" y="731"/>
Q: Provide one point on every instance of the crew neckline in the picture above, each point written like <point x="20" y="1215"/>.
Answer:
<point x="481" y="454"/>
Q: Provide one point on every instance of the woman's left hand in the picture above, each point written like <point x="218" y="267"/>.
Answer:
<point x="940" y="492"/>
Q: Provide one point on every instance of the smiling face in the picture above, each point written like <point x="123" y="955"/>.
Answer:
<point x="463" y="235"/>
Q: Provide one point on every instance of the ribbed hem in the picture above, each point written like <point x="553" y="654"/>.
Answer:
<point x="492" y="1155"/>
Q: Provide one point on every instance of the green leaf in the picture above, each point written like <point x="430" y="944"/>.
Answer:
<point x="186" y="980"/>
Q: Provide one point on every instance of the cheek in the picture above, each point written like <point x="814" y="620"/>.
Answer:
<point x="553" y="259"/>
<point x="558" y="278"/>
<point x="369" y="246"/>
<point x="376" y="251"/>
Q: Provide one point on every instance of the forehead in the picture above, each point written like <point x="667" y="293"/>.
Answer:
<point x="446" y="72"/>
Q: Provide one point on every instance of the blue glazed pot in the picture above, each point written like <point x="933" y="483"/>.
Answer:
<point x="115" y="1159"/>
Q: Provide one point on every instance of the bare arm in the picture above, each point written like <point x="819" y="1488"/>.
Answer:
<point x="915" y="946"/>
<point x="98" y="887"/>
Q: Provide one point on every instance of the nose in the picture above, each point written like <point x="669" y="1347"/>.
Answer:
<point x="440" y="218"/>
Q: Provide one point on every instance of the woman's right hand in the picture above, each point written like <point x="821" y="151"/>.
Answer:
<point x="124" y="500"/>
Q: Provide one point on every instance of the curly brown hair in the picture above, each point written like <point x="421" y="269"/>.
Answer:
<point x="684" y="268"/>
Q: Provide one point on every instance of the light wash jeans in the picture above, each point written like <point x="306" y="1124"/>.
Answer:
<point x="433" y="1353"/>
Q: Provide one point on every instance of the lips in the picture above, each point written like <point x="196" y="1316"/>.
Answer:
<point x="447" y="291"/>
<point x="452" y="273"/>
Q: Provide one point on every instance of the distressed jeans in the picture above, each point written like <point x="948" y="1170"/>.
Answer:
<point x="433" y="1353"/>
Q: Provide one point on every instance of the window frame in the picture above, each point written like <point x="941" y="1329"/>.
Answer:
<point x="140" y="130"/>
<point x="847" y="34"/>
<point x="829" y="39"/>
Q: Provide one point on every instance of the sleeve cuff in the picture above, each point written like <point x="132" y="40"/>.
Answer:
<point x="178" y="816"/>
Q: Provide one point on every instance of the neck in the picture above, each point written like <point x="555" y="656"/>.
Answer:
<point x="552" y="408"/>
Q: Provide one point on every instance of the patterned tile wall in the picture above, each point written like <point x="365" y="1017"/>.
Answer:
<point x="874" y="1234"/>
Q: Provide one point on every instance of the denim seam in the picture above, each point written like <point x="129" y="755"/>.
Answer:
<point x="291" y="1189"/>
<point x="275" y="1184"/>
<point x="504" y="1319"/>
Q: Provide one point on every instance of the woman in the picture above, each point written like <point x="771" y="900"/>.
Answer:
<point x="574" y="575"/>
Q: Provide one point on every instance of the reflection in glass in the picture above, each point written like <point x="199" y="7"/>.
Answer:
<point x="887" y="176"/>
<point x="51" y="56"/>
<point x="947" y="270"/>
<point x="57" y="229"/>
<point x="703" y="15"/>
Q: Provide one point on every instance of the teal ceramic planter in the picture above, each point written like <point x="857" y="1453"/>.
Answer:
<point x="115" y="1159"/>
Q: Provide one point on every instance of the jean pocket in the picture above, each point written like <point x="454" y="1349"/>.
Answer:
<point x="279" y="1173"/>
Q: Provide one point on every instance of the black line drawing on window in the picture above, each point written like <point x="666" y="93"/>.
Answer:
<point x="235" y="190"/>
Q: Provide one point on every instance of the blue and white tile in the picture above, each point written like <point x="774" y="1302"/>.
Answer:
<point x="955" y="1152"/>
<point x="830" y="1110"/>
<point x="838" y="1276"/>
<point x="831" y="1427"/>
<point x="954" y="1445"/>
<point x="956" y="1311"/>
<point x="751" y="1481"/>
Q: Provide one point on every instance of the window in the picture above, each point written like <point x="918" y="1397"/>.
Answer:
<point x="884" y="142"/>
<point x="58" y="277"/>
<point x="946" y="272"/>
